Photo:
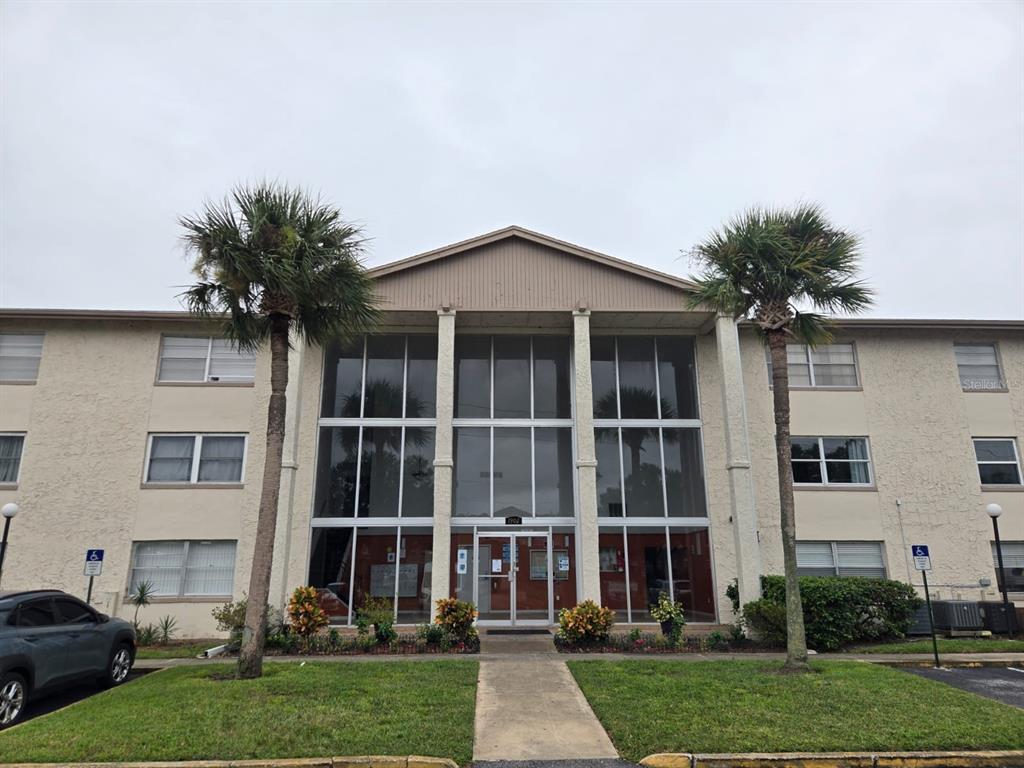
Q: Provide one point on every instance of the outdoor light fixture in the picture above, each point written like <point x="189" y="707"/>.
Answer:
<point x="994" y="511"/>
<point x="9" y="511"/>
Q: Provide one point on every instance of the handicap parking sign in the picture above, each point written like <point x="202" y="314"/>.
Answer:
<point x="922" y="560"/>
<point x="93" y="562"/>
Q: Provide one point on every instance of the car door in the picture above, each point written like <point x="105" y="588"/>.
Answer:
<point x="87" y="643"/>
<point x="41" y="639"/>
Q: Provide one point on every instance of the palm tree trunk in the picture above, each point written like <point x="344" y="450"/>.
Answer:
<point x="250" y="658"/>
<point x="796" y="643"/>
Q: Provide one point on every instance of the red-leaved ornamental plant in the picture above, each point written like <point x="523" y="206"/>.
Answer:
<point x="305" y="616"/>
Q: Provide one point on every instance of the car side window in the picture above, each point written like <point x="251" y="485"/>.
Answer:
<point x="72" y="612"/>
<point x="36" y="613"/>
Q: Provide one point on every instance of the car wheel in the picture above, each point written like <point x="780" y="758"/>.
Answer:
<point x="13" y="697"/>
<point x="119" y="666"/>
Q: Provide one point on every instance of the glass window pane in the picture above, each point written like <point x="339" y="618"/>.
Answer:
<point x="860" y="558"/>
<point x="994" y="450"/>
<point x="833" y="354"/>
<point x="376" y="563"/>
<point x="210" y="569"/>
<point x="343" y="380"/>
<point x="551" y="398"/>
<point x="511" y="377"/>
<point x="10" y="457"/>
<point x="563" y="552"/>
<point x="512" y="477"/>
<point x="414" y="575"/>
<point x="553" y="470"/>
<point x="609" y="473"/>
<point x="183" y="358"/>
<point x="385" y="356"/>
<point x="684" y="476"/>
<point x="999" y="474"/>
<point x="159" y="563"/>
<point x="462" y="569"/>
<point x="835" y="375"/>
<point x="602" y="374"/>
<point x="641" y="462"/>
<point x="692" y="585"/>
<point x="418" y="473"/>
<point x="228" y="364"/>
<point x="805" y="448"/>
<point x="814" y="558"/>
<point x="648" y="570"/>
<point x="472" y="377"/>
<point x="72" y="612"/>
<point x="472" y="472"/>
<point x="221" y="459"/>
<point x="1013" y="564"/>
<point x="421" y="384"/>
<point x="612" y="559"/>
<point x="336" y="472"/>
<point x="806" y="472"/>
<point x="330" y="565"/>
<point x="847" y="472"/>
<point x="637" y="390"/>
<point x="170" y="459"/>
<point x="845" y="448"/>
<point x="677" y="377"/>
<point x="378" y="480"/>
<point x="36" y="613"/>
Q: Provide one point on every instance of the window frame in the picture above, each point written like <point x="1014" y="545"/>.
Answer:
<point x="822" y="462"/>
<point x="197" y="453"/>
<point x="810" y="369"/>
<point x="181" y="595"/>
<point x="834" y="546"/>
<point x="42" y="335"/>
<point x="999" y="366"/>
<point x="11" y="484"/>
<point x="1016" y="462"/>
<point x="1010" y="589"/>
<point x="206" y="381"/>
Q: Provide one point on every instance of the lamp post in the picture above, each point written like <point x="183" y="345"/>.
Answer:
<point x="9" y="510"/>
<point x="994" y="511"/>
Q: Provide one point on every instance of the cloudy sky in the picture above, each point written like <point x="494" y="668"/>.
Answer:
<point x="628" y="128"/>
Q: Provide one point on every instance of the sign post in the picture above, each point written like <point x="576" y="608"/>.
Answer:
<point x="923" y="563"/>
<point x="93" y="568"/>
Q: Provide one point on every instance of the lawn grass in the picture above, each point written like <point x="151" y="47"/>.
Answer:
<point x="325" y="709"/>
<point x="946" y="645"/>
<point x="179" y="650"/>
<point x="747" y="706"/>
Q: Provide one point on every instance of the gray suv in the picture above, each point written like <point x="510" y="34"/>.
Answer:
<point x="49" y="639"/>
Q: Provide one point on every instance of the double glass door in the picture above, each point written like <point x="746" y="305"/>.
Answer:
<point x="513" y="578"/>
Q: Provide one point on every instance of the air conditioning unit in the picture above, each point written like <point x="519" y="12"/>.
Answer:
<point x="993" y="616"/>
<point x="957" y="615"/>
<point x="919" y="623"/>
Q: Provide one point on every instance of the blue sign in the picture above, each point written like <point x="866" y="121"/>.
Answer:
<point x="922" y="560"/>
<point x="94" y="555"/>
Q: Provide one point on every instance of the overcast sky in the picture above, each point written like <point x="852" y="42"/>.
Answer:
<point x="631" y="128"/>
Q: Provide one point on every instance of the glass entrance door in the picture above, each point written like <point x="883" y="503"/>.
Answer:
<point x="513" y="577"/>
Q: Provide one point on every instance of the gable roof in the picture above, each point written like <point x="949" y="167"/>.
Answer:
<point x="535" y="237"/>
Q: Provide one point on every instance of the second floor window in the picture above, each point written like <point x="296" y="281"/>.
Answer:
<point x="204" y="359"/>
<point x="19" y="356"/>
<point x="978" y="366"/>
<point x="998" y="462"/>
<point x="827" y="365"/>
<point x="831" y="461"/>
<point x="196" y="459"/>
<point x="11" y="445"/>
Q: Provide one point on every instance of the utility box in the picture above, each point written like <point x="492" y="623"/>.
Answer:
<point x="919" y="623"/>
<point x="957" y="616"/>
<point x="993" y="616"/>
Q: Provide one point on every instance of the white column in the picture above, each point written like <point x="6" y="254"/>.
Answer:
<point x="737" y="457"/>
<point x="586" y="460"/>
<point x="441" y="559"/>
<point x="280" y="571"/>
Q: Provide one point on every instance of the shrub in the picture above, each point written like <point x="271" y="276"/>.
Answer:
<point x="304" y="612"/>
<point x="457" y="617"/>
<point x="379" y="613"/>
<point x="767" y="619"/>
<point x="166" y="628"/>
<point x="431" y="634"/>
<point x="230" y="618"/>
<point x="147" y="635"/>
<point x="842" y="610"/>
<point x="588" y="622"/>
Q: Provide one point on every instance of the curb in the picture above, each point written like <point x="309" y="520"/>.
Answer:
<point x="361" y="761"/>
<point x="953" y="664"/>
<point x="985" y="759"/>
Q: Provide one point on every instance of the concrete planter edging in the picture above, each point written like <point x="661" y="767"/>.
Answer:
<point x="984" y="759"/>
<point x="362" y="761"/>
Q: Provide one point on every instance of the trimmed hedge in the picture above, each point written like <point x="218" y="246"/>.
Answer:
<point x="838" y="610"/>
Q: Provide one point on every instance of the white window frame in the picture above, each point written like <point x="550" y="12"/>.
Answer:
<point x="822" y="461"/>
<point x="183" y="571"/>
<point x="206" y="380"/>
<point x="834" y="545"/>
<point x="197" y="453"/>
<point x="1006" y="555"/>
<point x="810" y="367"/>
<point x="21" y="458"/>
<point x="42" y="336"/>
<point x="999" y="366"/>
<point x="1016" y="461"/>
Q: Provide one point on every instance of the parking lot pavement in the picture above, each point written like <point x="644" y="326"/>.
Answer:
<point x="63" y="698"/>
<point x="1005" y="684"/>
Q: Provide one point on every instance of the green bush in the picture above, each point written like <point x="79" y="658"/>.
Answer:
<point x="457" y="617"/>
<point x="230" y="618"/>
<point x="840" y="610"/>
<point x="587" y="622"/>
<point x="767" y="619"/>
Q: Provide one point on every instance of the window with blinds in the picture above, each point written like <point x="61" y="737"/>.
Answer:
<point x="186" y="359"/>
<point x="827" y="365"/>
<point x="203" y="458"/>
<point x="978" y="366"/>
<point x="11" y="445"/>
<point x="19" y="356"/>
<point x="1013" y="564"/>
<point x="840" y="558"/>
<point x="184" y="568"/>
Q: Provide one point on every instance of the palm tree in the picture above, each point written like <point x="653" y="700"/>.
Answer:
<point x="272" y="261"/>
<point x="765" y="264"/>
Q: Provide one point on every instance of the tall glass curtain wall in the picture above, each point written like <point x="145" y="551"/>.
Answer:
<point x="375" y="462"/>
<point x="652" y="507"/>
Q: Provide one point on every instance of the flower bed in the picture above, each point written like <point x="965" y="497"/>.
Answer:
<point x="650" y="642"/>
<point x="334" y="643"/>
